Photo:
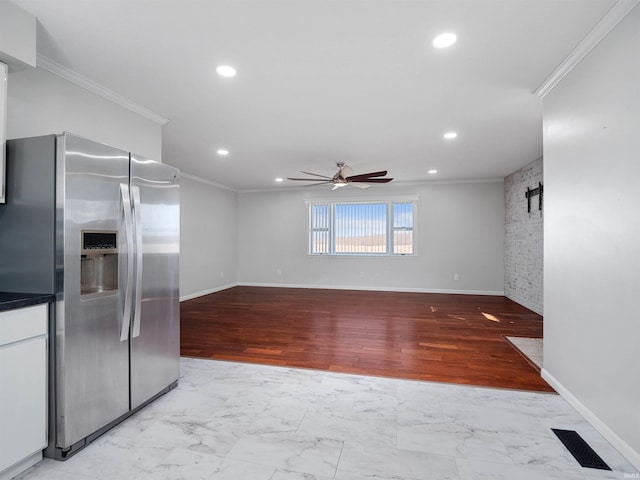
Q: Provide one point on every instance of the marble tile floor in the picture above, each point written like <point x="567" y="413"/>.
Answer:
<point x="531" y="348"/>
<point x="233" y="421"/>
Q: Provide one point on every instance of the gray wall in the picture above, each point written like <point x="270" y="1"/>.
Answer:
<point x="592" y="236"/>
<point x="208" y="226"/>
<point x="523" y="239"/>
<point x="41" y="103"/>
<point x="459" y="231"/>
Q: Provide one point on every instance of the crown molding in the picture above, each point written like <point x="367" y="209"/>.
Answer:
<point x="597" y="33"/>
<point x="453" y="181"/>
<point x="207" y="182"/>
<point x="406" y="183"/>
<point x="51" y="66"/>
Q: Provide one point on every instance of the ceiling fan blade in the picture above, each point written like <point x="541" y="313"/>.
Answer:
<point x="372" y="180"/>
<point x="363" y="176"/>
<point x="307" y="179"/>
<point x="342" y="178"/>
<point x="316" y="175"/>
<point x="319" y="183"/>
<point x="346" y="171"/>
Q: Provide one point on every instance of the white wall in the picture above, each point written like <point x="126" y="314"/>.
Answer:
<point x="592" y="236"/>
<point x="208" y="243"/>
<point x="41" y="103"/>
<point x="460" y="230"/>
<point x="17" y="37"/>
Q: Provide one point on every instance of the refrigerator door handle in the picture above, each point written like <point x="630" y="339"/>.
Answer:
<point x="128" y="228"/>
<point x="135" y="193"/>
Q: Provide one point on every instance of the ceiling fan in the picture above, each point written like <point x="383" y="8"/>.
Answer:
<point x="344" y="178"/>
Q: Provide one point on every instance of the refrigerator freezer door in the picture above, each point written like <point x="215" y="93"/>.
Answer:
<point x="28" y="257"/>
<point x="4" y="73"/>
<point x="92" y="366"/>
<point x="155" y="341"/>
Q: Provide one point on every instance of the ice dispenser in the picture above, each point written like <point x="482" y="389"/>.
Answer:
<point x="99" y="265"/>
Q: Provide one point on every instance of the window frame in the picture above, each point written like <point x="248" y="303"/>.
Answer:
<point x="390" y="228"/>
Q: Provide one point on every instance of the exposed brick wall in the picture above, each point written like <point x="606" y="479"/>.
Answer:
<point x="523" y="239"/>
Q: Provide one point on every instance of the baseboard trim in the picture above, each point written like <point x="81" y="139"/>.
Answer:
<point x="23" y="465"/>
<point x="207" y="292"/>
<point x="341" y="287"/>
<point x="618" y="443"/>
<point x="373" y="289"/>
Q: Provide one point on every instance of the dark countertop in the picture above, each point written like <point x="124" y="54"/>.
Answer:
<point x="10" y="301"/>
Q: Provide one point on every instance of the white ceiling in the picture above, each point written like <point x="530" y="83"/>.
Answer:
<point x="322" y="81"/>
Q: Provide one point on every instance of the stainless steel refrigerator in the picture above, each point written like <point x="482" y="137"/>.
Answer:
<point x="99" y="228"/>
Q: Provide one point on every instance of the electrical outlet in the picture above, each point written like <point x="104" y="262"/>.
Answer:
<point x="221" y="274"/>
<point x="361" y="274"/>
<point x="456" y="277"/>
<point x="279" y="272"/>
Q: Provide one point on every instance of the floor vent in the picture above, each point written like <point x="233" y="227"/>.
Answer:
<point x="580" y="450"/>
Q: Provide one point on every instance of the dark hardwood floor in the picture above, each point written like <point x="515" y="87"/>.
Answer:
<point x="438" y="337"/>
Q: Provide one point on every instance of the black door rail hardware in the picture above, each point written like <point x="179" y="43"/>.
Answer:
<point x="532" y="193"/>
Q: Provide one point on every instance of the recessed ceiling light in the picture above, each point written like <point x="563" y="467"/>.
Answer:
<point x="226" y="71"/>
<point x="223" y="152"/>
<point x="432" y="172"/>
<point x="445" y="40"/>
<point x="450" y="135"/>
<point x="279" y="179"/>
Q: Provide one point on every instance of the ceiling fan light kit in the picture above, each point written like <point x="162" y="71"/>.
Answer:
<point x="343" y="178"/>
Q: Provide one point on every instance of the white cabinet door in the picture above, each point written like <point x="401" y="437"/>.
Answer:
<point x="23" y="385"/>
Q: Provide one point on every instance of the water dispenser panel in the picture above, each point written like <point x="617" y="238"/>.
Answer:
<point x="99" y="240"/>
<point x="99" y="263"/>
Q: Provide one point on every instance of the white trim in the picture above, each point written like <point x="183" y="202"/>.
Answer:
<point x="588" y="43"/>
<point x="379" y="188"/>
<point x="51" y="66"/>
<point x="208" y="182"/>
<point x="450" y="182"/>
<point x="618" y="443"/>
<point x="373" y="289"/>
<point x="20" y="467"/>
<point x="207" y="292"/>
<point x="365" y="200"/>
<point x="366" y="255"/>
<point x="389" y="203"/>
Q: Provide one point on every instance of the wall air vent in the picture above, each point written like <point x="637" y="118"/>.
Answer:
<point x="580" y="450"/>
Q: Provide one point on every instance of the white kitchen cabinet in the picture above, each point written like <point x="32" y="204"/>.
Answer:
<point x="23" y="388"/>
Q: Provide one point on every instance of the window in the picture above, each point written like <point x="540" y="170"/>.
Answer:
<point x="362" y="228"/>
